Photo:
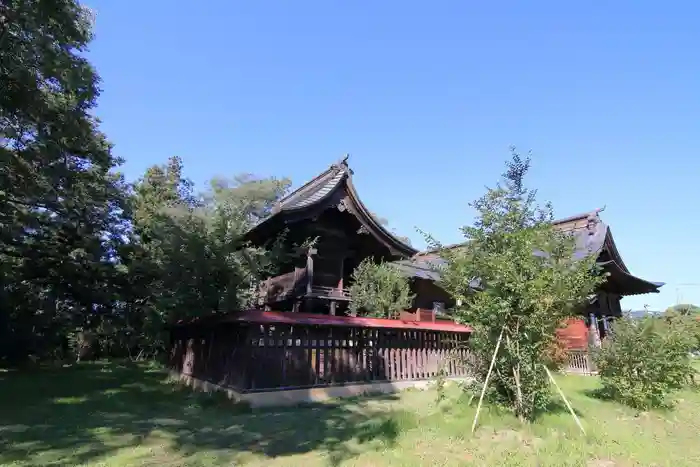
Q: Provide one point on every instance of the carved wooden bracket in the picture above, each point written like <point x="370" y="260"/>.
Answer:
<point x="343" y="204"/>
<point x="591" y="225"/>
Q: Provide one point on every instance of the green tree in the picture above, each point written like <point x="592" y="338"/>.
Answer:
<point x="62" y="205"/>
<point x="531" y="283"/>
<point x="187" y="257"/>
<point x="379" y="290"/>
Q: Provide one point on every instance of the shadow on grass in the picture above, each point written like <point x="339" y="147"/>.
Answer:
<point x="80" y="414"/>
<point x="599" y="394"/>
<point x="660" y="406"/>
<point x="469" y="400"/>
<point x="556" y="407"/>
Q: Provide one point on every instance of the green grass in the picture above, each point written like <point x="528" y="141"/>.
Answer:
<point x="103" y="414"/>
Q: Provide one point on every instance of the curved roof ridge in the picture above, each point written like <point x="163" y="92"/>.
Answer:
<point x="332" y="174"/>
<point x="595" y="214"/>
<point x="408" y="249"/>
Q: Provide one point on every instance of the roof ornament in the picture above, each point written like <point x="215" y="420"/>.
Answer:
<point x="342" y="164"/>
<point x="593" y="220"/>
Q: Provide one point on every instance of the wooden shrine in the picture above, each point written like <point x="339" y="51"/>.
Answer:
<point x="327" y="231"/>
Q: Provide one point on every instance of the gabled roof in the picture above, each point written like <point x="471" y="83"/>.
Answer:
<point x="592" y="236"/>
<point x="335" y="185"/>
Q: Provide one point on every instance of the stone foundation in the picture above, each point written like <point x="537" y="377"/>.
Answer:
<point x="292" y="397"/>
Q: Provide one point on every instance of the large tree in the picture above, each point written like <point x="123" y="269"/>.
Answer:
<point x="530" y="283"/>
<point x="61" y="203"/>
<point x="187" y="257"/>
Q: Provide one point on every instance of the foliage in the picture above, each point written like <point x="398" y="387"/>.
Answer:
<point x="88" y="264"/>
<point x="62" y="206"/>
<point x="646" y="360"/>
<point x="690" y="315"/>
<point x="188" y="257"/>
<point x="556" y="354"/>
<point x="531" y="283"/>
<point x="379" y="290"/>
<point x="685" y="309"/>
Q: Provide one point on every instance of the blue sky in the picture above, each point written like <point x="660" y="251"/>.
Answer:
<point x="426" y="97"/>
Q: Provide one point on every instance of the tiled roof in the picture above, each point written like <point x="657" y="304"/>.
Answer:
<point x="422" y="267"/>
<point x="591" y="235"/>
<point x="317" y="189"/>
<point x="325" y="185"/>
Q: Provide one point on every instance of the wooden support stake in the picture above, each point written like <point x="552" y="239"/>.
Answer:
<point x="561" y="393"/>
<point x="488" y="375"/>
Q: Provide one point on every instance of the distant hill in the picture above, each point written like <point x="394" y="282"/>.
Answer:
<point x="638" y="314"/>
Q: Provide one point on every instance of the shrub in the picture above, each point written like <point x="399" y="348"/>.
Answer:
<point x="556" y="354"/>
<point x="379" y="290"/>
<point x="646" y="361"/>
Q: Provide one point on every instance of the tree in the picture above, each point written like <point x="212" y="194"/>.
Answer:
<point x="187" y="257"/>
<point x="62" y="206"/>
<point x="75" y="267"/>
<point x="531" y="283"/>
<point x="379" y="290"/>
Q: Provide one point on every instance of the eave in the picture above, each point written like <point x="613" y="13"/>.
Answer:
<point x="622" y="282"/>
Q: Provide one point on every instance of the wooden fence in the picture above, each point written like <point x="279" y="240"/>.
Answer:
<point x="580" y="362"/>
<point x="263" y="351"/>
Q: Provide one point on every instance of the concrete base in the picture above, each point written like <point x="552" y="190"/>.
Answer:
<point x="293" y="397"/>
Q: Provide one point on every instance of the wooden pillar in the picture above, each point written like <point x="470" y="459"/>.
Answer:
<point x="606" y="326"/>
<point x="342" y="270"/>
<point x="333" y="306"/>
<point x="593" y="331"/>
<point x="310" y="269"/>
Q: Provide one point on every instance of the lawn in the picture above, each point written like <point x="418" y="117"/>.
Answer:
<point x="122" y="415"/>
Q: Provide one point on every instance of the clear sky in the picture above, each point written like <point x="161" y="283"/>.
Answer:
<point x="426" y="97"/>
